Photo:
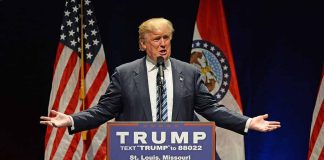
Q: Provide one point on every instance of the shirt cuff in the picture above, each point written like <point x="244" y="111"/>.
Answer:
<point x="72" y="122"/>
<point x="247" y="125"/>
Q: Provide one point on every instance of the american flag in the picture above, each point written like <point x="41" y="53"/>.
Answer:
<point x="66" y="84"/>
<point x="211" y="53"/>
<point x="316" y="142"/>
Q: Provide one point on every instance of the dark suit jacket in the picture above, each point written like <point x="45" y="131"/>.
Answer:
<point x="127" y="99"/>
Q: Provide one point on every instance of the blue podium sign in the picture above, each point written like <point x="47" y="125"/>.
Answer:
<point x="161" y="141"/>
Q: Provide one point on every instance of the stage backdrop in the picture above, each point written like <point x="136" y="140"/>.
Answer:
<point x="277" y="48"/>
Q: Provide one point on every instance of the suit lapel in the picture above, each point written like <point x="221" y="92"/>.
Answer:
<point x="141" y="83"/>
<point x="178" y="79"/>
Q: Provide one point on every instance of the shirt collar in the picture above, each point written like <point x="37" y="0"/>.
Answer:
<point x="151" y="65"/>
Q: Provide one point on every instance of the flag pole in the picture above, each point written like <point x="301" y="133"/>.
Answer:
<point x="82" y="87"/>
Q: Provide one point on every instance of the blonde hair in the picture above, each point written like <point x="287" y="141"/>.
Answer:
<point x="151" y="25"/>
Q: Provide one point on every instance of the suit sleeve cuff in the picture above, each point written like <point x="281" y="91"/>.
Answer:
<point x="72" y="122"/>
<point x="247" y="125"/>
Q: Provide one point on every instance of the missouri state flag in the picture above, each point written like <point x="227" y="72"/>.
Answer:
<point x="211" y="53"/>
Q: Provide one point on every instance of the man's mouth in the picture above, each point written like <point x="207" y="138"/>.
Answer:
<point x="163" y="51"/>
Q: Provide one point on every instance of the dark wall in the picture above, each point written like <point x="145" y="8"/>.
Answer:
<point x="277" y="47"/>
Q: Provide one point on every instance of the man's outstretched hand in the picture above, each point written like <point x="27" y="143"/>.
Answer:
<point x="260" y="124"/>
<point x="58" y="120"/>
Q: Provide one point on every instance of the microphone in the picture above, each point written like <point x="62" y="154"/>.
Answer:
<point x="160" y="65"/>
<point x="160" y="76"/>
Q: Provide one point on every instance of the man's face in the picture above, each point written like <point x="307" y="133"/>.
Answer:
<point x="158" y="43"/>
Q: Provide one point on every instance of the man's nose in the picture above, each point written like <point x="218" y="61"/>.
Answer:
<point x="162" y="42"/>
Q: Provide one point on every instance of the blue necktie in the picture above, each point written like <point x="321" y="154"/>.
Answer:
<point x="161" y="102"/>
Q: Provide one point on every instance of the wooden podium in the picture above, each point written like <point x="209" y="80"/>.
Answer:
<point x="161" y="141"/>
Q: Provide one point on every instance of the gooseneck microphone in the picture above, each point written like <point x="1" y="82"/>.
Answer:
<point x="160" y="78"/>
<point x="160" y="65"/>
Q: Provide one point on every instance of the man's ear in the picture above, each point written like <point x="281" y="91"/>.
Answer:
<point x="142" y="45"/>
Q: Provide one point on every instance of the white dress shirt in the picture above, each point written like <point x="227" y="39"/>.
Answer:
<point x="151" y="76"/>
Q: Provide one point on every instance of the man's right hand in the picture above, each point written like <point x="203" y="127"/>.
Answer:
<point x="58" y="120"/>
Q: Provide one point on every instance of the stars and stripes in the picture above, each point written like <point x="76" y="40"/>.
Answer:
<point x="66" y="84"/>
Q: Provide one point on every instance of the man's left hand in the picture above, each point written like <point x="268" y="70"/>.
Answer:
<point x="260" y="124"/>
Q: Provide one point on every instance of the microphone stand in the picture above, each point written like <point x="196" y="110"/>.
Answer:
<point x="160" y="79"/>
<point x="160" y="87"/>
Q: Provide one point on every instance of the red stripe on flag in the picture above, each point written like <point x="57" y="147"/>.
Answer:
<point x="101" y="153"/>
<point x="87" y="143"/>
<point x="73" y="146"/>
<point x="74" y="100"/>
<point x="57" y="140"/>
<point x="64" y="80"/>
<point x="58" y="55"/>
<point x="87" y="68"/>
<point x="317" y="127"/>
<point x="207" y="20"/>
<point x="97" y="83"/>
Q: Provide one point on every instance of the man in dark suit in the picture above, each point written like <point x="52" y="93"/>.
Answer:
<point x="132" y="94"/>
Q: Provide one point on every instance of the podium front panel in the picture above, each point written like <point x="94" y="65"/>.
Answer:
<point x="161" y="141"/>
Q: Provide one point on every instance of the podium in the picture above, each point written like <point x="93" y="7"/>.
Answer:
<point x="161" y="141"/>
